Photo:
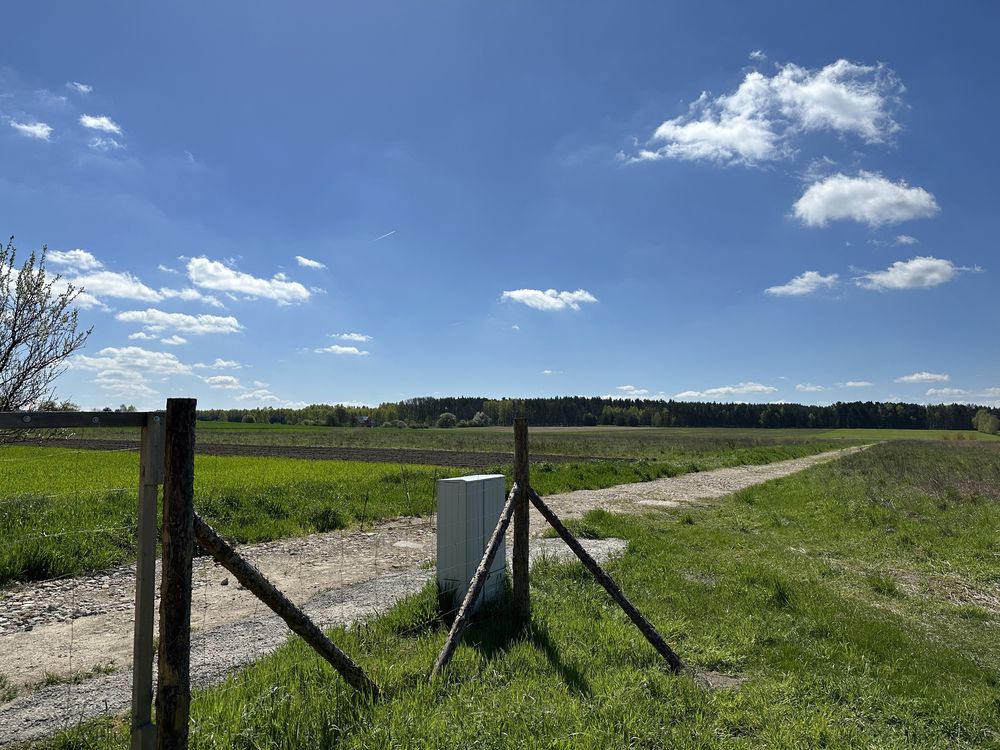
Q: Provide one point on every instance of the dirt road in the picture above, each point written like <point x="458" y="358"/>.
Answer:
<point x="74" y="625"/>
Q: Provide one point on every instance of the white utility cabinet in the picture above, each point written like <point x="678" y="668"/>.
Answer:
<point x="468" y="509"/>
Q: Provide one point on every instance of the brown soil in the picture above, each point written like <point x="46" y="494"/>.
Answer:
<point x="458" y="459"/>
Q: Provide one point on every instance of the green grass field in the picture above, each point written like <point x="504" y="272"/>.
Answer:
<point x="857" y="603"/>
<point x="64" y="511"/>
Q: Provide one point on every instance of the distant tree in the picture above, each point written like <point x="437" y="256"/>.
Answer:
<point x="986" y="421"/>
<point x="53" y="405"/>
<point x="447" y="420"/>
<point x="38" y="329"/>
<point x="481" y="419"/>
<point x="248" y="419"/>
<point x="125" y="408"/>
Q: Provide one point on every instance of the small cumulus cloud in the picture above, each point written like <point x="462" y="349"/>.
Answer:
<point x="804" y="283"/>
<point x="550" y="299"/>
<point x="809" y="388"/>
<point x="81" y="260"/>
<point x="904" y="239"/>
<point x="740" y="389"/>
<point x="223" y="382"/>
<point x="80" y="88"/>
<point x="99" y="143"/>
<point x="220" y="364"/>
<point x="102" y="123"/>
<point x="351" y="351"/>
<point x="916" y="273"/>
<point x="38" y="130"/>
<point x="632" y="391"/>
<point x="869" y="198"/>
<point x="855" y="384"/>
<point x="174" y="340"/>
<point x="217" y="276"/>
<point x="155" y="321"/>
<point x="761" y="119"/>
<point x="923" y="377"/>
<point x="308" y="262"/>
<point x="362" y="337"/>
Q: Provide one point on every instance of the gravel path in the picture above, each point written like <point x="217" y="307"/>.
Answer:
<point x="72" y="625"/>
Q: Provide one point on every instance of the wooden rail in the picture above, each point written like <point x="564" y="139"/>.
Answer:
<point x="41" y="420"/>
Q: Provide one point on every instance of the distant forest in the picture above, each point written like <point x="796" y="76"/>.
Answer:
<point x="580" y="411"/>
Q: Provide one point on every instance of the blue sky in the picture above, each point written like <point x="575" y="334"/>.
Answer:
<point x="300" y="203"/>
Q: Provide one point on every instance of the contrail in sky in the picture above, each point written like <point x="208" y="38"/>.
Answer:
<point x="387" y="234"/>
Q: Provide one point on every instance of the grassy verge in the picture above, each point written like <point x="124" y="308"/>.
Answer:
<point x="65" y="511"/>
<point x="856" y="602"/>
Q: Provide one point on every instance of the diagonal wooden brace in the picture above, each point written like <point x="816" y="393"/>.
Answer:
<point x="676" y="665"/>
<point x="253" y="580"/>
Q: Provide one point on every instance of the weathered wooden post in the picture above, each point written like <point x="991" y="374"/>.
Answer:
<point x="173" y="689"/>
<point x="519" y="559"/>
<point x="150" y="477"/>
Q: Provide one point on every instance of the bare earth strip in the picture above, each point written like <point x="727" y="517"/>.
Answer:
<point x="73" y="625"/>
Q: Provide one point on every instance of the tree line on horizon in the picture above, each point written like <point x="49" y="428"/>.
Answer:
<point x="583" y="411"/>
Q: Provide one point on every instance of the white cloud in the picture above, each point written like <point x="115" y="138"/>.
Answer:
<point x="923" y="377"/>
<point x="991" y="392"/>
<point x="174" y="340"/>
<point x="190" y="295"/>
<point x="131" y="358"/>
<point x="226" y="382"/>
<point x="804" y="283"/>
<point x="916" y="273"/>
<point x="739" y="389"/>
<point x="351" y="337"/>
<point x="167" y="269"/>
<point x="105" y="144"/>
<point x="343" y="350"/>
<point x="114" y="284"/>
<point x="809" y="388"/>
<point x="631" y="391"/>
<point x="157" y="320"/>
<point x="211" y="274"/>
<point x="757" y="55"/>
<point x="308" y="263"/>
<point x="515" y="327"/>
<point x="80" y="88"/>
<point x="947" y="392"/>
<point x="855" y="384"/>
<point x="124" y="383"/>
<point x="221" y="364"/>
<point x="905" y="239"/>
<point x="547" y="372"/>
<point x="550" y="299"/>
<point x="100" y="122"/>
<point x="38" y="130"/>
<point x="868" y="198"/>
<point x="80" y="260"/>
<point x="261" y="395"/>
<point x="141" y="336"/>
<point x="758" y="120"/>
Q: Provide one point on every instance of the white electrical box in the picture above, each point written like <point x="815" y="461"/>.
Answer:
<point x="468" y="509"/>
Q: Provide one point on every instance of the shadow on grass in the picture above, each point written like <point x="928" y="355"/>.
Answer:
<point x="496" y="631"/>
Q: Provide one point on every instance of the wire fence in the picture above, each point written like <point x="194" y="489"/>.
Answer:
<point x="69" y="523"/>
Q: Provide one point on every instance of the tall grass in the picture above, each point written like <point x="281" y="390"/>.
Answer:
<point x="772" y="586"/>
<point x="63" y="511"/>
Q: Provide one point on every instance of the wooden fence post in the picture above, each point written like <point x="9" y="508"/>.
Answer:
<point x="173" y="688"/>
<point x="519" y="560"/>
<point x="150" y="476"/>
